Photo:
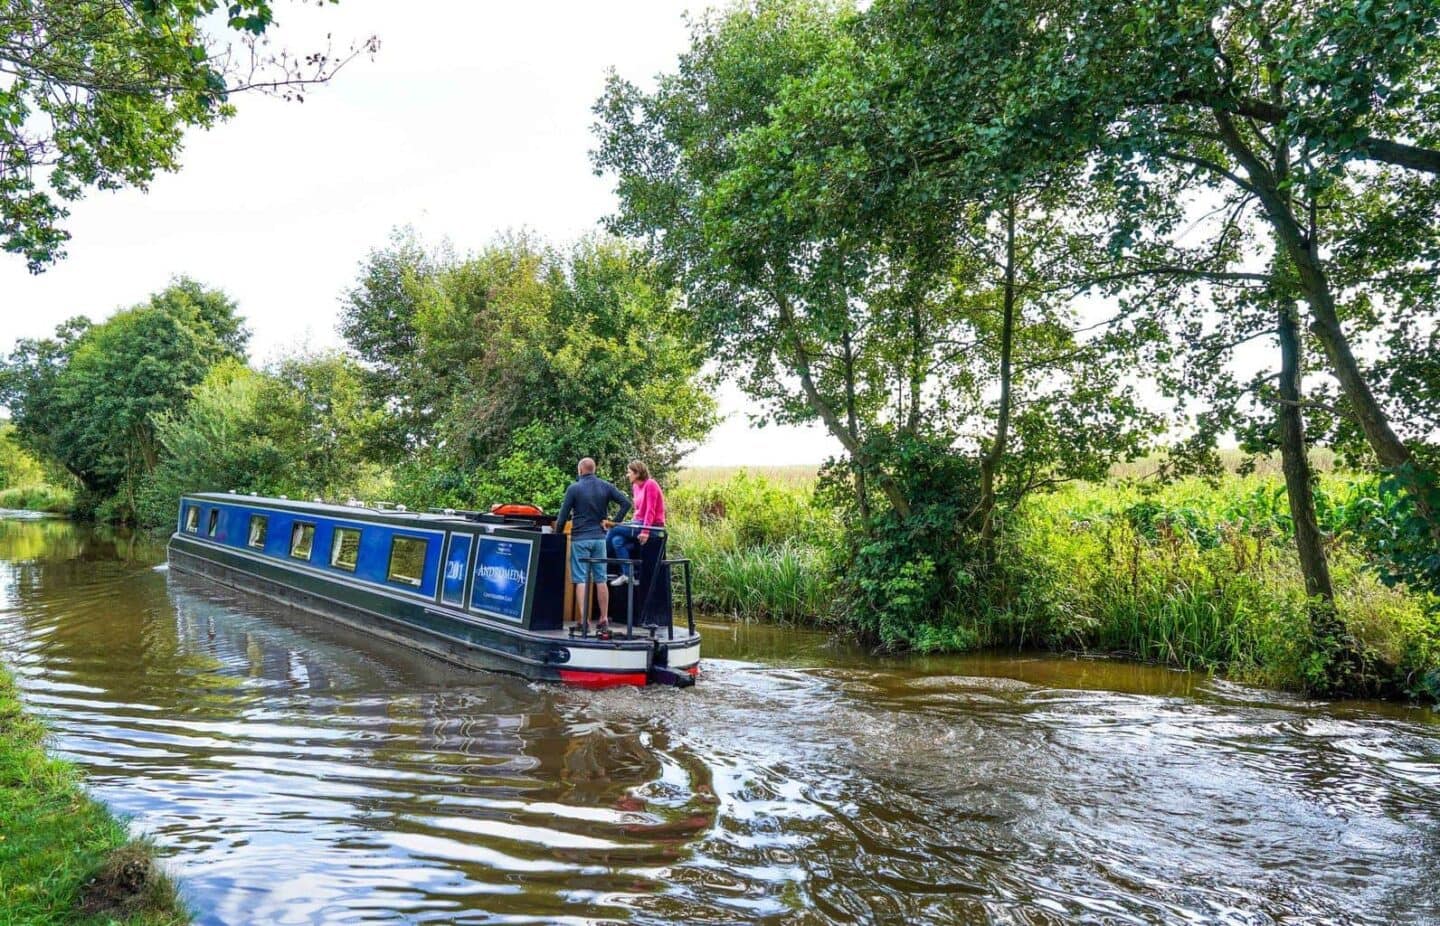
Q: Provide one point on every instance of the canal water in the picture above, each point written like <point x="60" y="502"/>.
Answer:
<point x="293" y="774"/>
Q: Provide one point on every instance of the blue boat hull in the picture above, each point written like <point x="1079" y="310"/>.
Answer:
<point x="463" y="639"/>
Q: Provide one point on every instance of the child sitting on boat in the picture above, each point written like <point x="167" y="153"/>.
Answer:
<point x="624" y="540"/>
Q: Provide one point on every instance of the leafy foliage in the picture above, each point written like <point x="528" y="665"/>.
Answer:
<point x="98" y="94"/>
<point x="300" y="430"/>
<point x="89" y="397"/>
<point x="506" y="367"/>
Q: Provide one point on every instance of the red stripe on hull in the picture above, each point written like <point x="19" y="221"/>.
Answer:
<point x="601" y="679"/>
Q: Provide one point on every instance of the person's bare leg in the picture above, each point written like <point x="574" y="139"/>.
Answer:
<point x="602" y="591"/>
<point x="582" y="600"/>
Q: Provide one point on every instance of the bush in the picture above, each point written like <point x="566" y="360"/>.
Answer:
<point x="914" y="582"/>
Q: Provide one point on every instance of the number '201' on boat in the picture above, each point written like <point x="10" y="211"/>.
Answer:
<point x="477" y="589"/>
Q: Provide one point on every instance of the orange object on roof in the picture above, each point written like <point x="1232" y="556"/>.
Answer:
<point x="517" y="510"/>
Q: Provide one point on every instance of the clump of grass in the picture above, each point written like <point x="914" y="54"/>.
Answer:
<point x="788" y="582"/>
<point x="1202" y="576"/>
<point x="760" y="548"/>
<point x="63" y="857"/>
<point x="41" y="497"/>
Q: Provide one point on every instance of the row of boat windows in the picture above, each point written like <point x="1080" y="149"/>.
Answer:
<point x="407" y="554"/>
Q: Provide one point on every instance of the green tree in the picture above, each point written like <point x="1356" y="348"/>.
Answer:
<point x="507" y="366"/>
<point x="88" y="398"/>
<point x="300" y="429"/>
<point x="377" y="320"/>
<point x="931" y="341"/>
<point x="98" y="94"/>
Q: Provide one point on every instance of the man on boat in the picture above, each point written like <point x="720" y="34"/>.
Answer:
<point x="587" y="501"/>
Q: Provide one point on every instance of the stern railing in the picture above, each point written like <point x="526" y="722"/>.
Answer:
<point x="635" y="565"/>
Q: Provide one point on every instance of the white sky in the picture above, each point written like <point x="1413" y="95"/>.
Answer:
<point x="473" y="118"/>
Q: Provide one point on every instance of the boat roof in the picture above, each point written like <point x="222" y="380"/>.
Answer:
<point x="387" y="514"/>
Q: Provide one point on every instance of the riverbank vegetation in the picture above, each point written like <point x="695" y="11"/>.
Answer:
<point x="1197" y="573"/>
<point x="1001" y="254"/>
<point x="63" y="857"/>
<point x="25" y="483"/>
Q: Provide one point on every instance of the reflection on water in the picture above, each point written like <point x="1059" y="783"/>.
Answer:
<point x="295" y="774"/>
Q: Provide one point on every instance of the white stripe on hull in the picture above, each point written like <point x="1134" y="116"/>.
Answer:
<point x="607" y="660"/>
<point x="684" y="658"/>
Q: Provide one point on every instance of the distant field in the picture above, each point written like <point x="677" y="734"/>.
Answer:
<point x="794" y="475"/>
<point x="1323" y="461"/>
<point x="803" y="473"/>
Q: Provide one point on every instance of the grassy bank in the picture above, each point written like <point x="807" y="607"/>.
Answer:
<point x="1194" y="574"/>
<point x="63" y="857"/>
<point x="39" y="497"/>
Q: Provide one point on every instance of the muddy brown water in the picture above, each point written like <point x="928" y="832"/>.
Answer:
<point x="292" y="773"/>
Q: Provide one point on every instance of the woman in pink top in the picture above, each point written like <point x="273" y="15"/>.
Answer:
<point x="624" y="540"/>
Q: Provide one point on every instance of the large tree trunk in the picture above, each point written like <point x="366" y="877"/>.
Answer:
<point x="995" y="455"/>
<point x="1327" y="632"/>
<point x="1294" y="460"/>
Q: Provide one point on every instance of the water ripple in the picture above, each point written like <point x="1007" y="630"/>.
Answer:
<point x="294" y="774"/>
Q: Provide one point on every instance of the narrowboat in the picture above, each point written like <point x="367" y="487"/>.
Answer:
<point x="480" y="589"/>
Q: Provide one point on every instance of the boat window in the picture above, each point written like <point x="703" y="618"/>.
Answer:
<point x="345" y="550"/>
<point x="302" y="540"/>
<point x="407" y="560"/>
<point x="192" y="519"/>
<point x="214" y="523"/>
<point x="257" y="530"/>
<point x="453" y="585"/>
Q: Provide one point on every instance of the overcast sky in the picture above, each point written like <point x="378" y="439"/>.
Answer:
<point x="473" y="118"/>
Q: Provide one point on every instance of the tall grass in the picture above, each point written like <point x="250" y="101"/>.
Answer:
<point x="1204" y="576"/>
<point x="1196" y="574"/>
<point x="760" y="547"/>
